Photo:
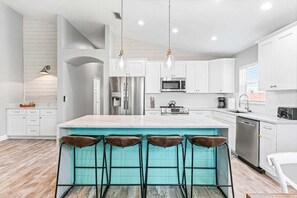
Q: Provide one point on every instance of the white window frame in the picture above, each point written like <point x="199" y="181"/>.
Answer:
<point x="243" y="67"/>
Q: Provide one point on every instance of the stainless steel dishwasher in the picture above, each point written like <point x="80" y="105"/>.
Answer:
<point x="247" y="141"/>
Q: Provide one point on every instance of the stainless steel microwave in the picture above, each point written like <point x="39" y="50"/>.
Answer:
<point x="173" y="84"/>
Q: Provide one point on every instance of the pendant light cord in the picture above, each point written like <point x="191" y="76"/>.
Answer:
<point x="169" y="33"/>
<point x="122" y="21"/>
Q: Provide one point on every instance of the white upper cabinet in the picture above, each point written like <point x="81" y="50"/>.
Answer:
<point x="278" y="61"/>
<point x="153" y="77"/>
<point x="178" y="71"/>
<point x="197" y="77"/>
<point x="221" y="75"/>
<point x="265" y="50"/>
<point x="132" y="68"/>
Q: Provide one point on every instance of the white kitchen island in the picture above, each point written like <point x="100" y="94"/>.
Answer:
<point x="127" y="125"/>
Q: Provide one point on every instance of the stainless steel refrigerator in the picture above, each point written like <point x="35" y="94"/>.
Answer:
<point x="127" y="95"/>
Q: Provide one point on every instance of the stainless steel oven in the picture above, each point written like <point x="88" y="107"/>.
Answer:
<point x="173" y="84"/>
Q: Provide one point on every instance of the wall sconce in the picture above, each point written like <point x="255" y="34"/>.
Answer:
<point x="45" y="69"/>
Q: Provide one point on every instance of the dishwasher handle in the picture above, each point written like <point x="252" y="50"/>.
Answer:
<point x="246" y="123"/>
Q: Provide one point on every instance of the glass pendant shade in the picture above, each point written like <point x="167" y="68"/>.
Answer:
<point x="121" y="63"/>
<point x="169" y="60"/>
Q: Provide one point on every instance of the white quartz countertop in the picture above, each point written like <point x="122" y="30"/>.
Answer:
<point x="251" y="115"/>
<point x="121" y="121"/>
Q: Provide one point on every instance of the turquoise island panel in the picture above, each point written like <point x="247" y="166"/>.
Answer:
<point x="204" y="157"/>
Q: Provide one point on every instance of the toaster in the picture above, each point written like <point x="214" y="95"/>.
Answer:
<point x="289" y="113"/>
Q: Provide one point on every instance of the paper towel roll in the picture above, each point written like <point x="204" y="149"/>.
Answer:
<point x="231" y="103"/>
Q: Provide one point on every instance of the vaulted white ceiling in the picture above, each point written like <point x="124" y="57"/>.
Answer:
<point x="236" y="23"/>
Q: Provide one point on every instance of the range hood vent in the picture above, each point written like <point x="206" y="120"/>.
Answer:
<point x="117" y="15"/>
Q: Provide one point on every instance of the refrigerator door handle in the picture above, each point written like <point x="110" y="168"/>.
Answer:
<point x="126" y="106"/>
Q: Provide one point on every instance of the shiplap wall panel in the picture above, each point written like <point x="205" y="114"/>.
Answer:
<point x="40" y="49"/>
<point x="140" y="49"/>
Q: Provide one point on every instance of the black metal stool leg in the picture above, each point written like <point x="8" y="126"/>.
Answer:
<point x="103" y="168"/>
<point x="184" y="182"/>
<point x="146" y="169"/>
<point x="96" y="171"/>
<point x="177" y="167"/>
<point x="58" y="171"/>
<point x="110" y="165"/>
<point x="74" y="163"/>
<point x="230" y="170"/>
<point x="192" y="170"/>
<point x="140" y="168"/>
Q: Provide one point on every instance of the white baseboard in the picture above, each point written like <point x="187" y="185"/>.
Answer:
<point x="3" y="137"/>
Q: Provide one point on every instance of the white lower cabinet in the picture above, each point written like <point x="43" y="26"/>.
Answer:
<point x="16" y="125"/>
<point x="231" y="121"/>
<point x="267" y="144"/>
<point x="153" y="112"/>
<point x="48" y="125"/>
<point x="201" y="113"/>
<point x="31" y="122"/>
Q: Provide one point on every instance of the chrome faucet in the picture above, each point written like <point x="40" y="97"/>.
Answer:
<point x="247" y="106"/>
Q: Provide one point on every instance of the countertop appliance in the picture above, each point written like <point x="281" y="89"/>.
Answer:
<point x="127" y="95"/>
<point x="221" y="102"/>
<point x="247" y="141"/>
<point x="173" y="84"/>
<point x="169" y="110"/>
<point x="289" y="113"/>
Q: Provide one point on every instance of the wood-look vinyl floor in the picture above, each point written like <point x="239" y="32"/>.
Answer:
<point x="28" y="169"/>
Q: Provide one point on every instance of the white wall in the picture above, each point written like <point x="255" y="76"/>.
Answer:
<point x="72" y="38"/>
<point x="77" y="52"/>
<point x="187" y="100"/>
<point x="273" y="99"/>
<point x="140" y="49"/>
<point x="11" y="61"/>
<point x="80" y="90"/>
<point x="40" y="49"/>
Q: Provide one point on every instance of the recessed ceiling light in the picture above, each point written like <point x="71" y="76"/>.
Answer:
<point x="266" y="6"/>
<point x="175" y="30"/>
<point x="213" y="38"/>
<point x="140" y="22"/>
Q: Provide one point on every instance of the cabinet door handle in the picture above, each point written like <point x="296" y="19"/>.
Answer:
<point x="260" y="136"/>
<point x="268" y="128"/>
<point x="271" y="86"/>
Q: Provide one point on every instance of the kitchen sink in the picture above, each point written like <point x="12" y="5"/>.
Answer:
<point x="237" y="111"/>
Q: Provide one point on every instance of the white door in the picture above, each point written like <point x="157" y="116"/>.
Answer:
<point x="48" y="126"/>
<point x="191" y="75"/>
<point x="286" y="60"/>
<point x="215" y="76"/>
<point x="152" y="77"/>
<point x="228" y="75"/>
<point x="267" y="144"/>
<point x="16" y="125"/>
<point x="135" y="68"/>
<point x="179" y="70"/>
<point x="96" y="96"/>
<point x="266" y="64"/>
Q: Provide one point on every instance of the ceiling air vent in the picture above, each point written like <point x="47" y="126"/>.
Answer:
<point x="117" y="15"/>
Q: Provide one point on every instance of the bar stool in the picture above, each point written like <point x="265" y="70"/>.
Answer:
<point x="125" y="141"/>
<point x="209" y="142"/>
<point x="166" y="141"/>
<point x="76" y="141"/>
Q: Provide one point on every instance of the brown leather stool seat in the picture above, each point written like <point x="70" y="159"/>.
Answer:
<point x="164" y="141"/>
<point x="80" y="141"/>
<point x="208" y="141"/>
<point x="123" y="141"/>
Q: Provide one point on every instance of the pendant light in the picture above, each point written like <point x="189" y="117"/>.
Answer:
<point x="121" y="63"/>
<point x="169" y="60"/>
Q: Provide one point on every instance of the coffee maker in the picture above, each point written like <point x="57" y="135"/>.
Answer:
<point x="221" y="102"/>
